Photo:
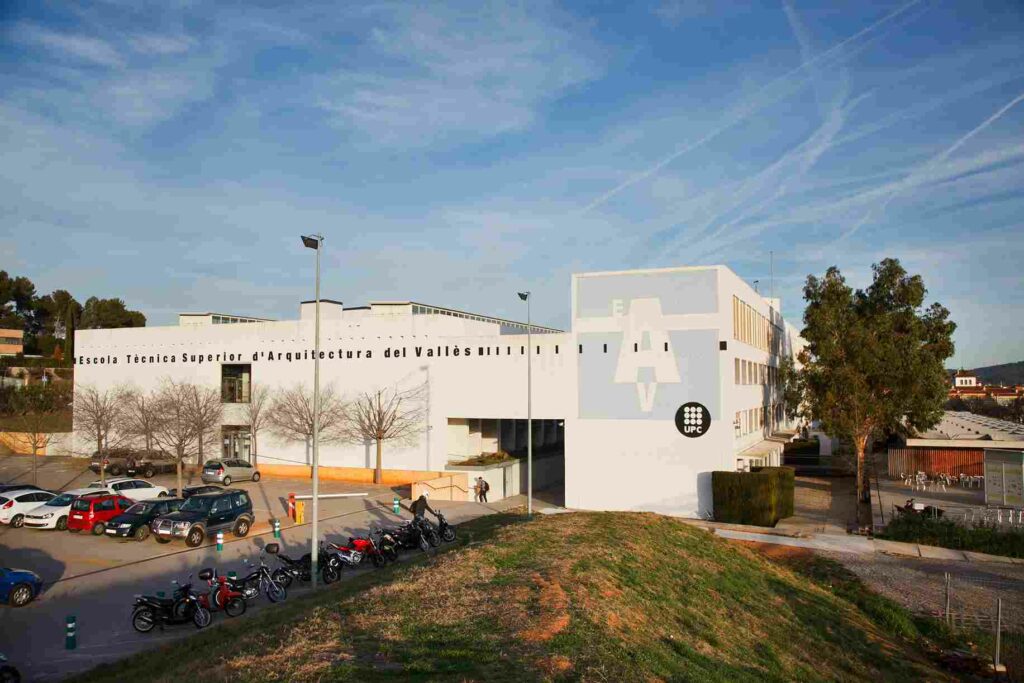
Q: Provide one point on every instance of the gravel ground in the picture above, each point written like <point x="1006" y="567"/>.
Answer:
<point x="919" y="584"/>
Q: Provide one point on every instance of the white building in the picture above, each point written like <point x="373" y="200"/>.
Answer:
<point x="665" y="376"/>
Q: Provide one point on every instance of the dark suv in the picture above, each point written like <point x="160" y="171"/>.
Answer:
<point x="206" y="513"/>
<point x="135" y="463"/>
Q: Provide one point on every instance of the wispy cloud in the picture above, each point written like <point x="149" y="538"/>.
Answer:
<point x="70" y="46"/>
<point x="441" y="72"/>
<point x="769" y="93"/>
<point x="919" y="173"/>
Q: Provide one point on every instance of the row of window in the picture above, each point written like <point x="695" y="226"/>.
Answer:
<point x="750" y="327"/>
<point x="230" y="319"/>
<point x="10" y="340"/>
<point x="758" y="419"/>
<point x="430" y="310"/>
<point x="749" y="372"/>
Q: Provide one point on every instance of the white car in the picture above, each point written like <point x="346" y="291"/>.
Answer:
<point x="136" y="489"/>
<point x="14" y="504"/>
<point x="53" y="514"/>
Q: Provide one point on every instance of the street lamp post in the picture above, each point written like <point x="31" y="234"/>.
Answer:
<point x="315" y="242"/>
<point x="525" y="296"/>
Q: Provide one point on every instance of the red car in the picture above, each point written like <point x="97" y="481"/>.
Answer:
<point x="94" y="512"/>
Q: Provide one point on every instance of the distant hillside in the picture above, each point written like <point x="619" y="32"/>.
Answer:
<point x="1008" y="373"/>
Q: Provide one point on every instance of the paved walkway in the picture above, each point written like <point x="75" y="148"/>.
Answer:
<point x="849" y="543"/>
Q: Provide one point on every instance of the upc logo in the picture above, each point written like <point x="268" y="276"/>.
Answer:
<point x="693" y="419"/>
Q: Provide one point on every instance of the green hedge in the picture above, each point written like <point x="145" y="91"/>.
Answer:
<point x="948" y="534"/>
<point x="761" y="497"/>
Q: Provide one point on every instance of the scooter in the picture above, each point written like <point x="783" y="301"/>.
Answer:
<point x="222" y="596"/>
<point x="150" y="611"/>
<point x="444" y="529"/>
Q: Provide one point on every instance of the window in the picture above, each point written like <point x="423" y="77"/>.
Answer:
<point x="105" y="505"/>
<point x="236" y="381"/>
<point x="220" y="506"/>
<point x="143" y="485"/>
<point x="241" y="500"/>
<point x="737" y="370"/>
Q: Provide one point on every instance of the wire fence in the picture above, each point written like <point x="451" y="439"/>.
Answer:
<point x="985" y="612"/>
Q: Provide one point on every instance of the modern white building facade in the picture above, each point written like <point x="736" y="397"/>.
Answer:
<point x="665" y="376"/>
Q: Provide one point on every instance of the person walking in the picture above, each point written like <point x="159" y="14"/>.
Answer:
<point x="484" y="488"/>
<point x="420" y="506"/>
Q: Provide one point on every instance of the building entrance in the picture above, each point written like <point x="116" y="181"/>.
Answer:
<point x="237" y="443"/>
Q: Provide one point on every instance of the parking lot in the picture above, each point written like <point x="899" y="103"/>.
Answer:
<point x="93" y="578"/>
<point x="57" y="555"/>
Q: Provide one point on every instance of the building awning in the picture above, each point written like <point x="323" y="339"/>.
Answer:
<point x="763" y="449"/>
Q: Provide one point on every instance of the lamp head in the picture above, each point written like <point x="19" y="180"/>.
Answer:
<point x="311" y="241"/>
<point x="524" y="295"/>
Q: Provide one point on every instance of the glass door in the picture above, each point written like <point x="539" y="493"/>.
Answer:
<point x="237" y="443"/>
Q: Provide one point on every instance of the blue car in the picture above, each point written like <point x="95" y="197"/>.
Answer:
<point x="18" y="587"/>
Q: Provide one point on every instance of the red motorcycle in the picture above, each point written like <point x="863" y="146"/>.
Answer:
<point x="222" y="597"/>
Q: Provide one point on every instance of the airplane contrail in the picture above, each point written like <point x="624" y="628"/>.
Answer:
<point x="926" y="166"/>
<point x="743" y="114"/>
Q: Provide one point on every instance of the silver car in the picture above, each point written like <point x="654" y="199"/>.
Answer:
<point x="226" y="471"/>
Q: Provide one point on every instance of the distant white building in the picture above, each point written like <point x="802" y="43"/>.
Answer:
<point x="665" y="376"/>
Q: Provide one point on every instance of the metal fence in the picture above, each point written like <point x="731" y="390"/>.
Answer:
<point x="986" y="612"/>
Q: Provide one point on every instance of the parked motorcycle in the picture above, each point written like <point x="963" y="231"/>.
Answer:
<point x="8" y="674"/>
<point x="302" y="568"/>
<point x="444" y="529"/>
<point x="223" y="596"/>
<point x="260" y="580"/>
<point x="380" y="552"/>
<point x="416" y="533"/>
<point x="150" y="611"/>
<point x="342" y="556"/>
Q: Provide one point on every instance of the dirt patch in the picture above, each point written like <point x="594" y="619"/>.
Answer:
<point x="554" y="665"/>
<point x="780" y="553"/>
<point x="553" y="615"/>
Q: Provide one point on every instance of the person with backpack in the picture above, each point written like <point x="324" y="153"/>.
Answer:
<point x="484" y="488"/>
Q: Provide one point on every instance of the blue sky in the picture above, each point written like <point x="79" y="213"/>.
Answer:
<point x="171" y="153"/>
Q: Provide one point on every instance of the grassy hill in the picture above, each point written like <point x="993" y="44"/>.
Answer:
<point x="586" y="596"/>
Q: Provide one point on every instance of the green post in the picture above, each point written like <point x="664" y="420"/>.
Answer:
<point x="232" y="575"/>
<point x="220" y="541"/>
<point x="71" y="636"/>
<point x="276" y="523"/>
<point x="394" y="505"/>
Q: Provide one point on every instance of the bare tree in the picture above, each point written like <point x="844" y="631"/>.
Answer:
<point x="97" y="415"/>
<point x="291" y="414"/>
<point x="176" y="431"/>
<point x="386" y="415"/>
<point x="257" y="414"/>
<point x="207" y="412"/>
<point x="139" y="416"/>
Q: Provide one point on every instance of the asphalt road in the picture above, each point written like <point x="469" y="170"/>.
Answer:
<point x="33" y="637"/>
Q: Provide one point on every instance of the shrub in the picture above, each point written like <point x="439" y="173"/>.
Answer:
<point x="948" y="534"/>
<point x="761" y="497"/>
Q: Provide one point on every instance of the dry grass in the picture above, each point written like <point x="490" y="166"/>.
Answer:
<point x="588" y="596"/>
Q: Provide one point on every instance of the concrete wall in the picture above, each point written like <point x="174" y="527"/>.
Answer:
<point x="60" y="443"/>
<point x="486" y="380"/>
<point x="509" y="478"/>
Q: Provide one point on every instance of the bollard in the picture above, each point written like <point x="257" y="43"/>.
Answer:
<point x="232" y="575"/>
<point x="394" y="505"/>
<point x="276" y="523"/>
<point x="291" y="507"/>
<point x="71" y="637"/>
<point x="220" y="541"/>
